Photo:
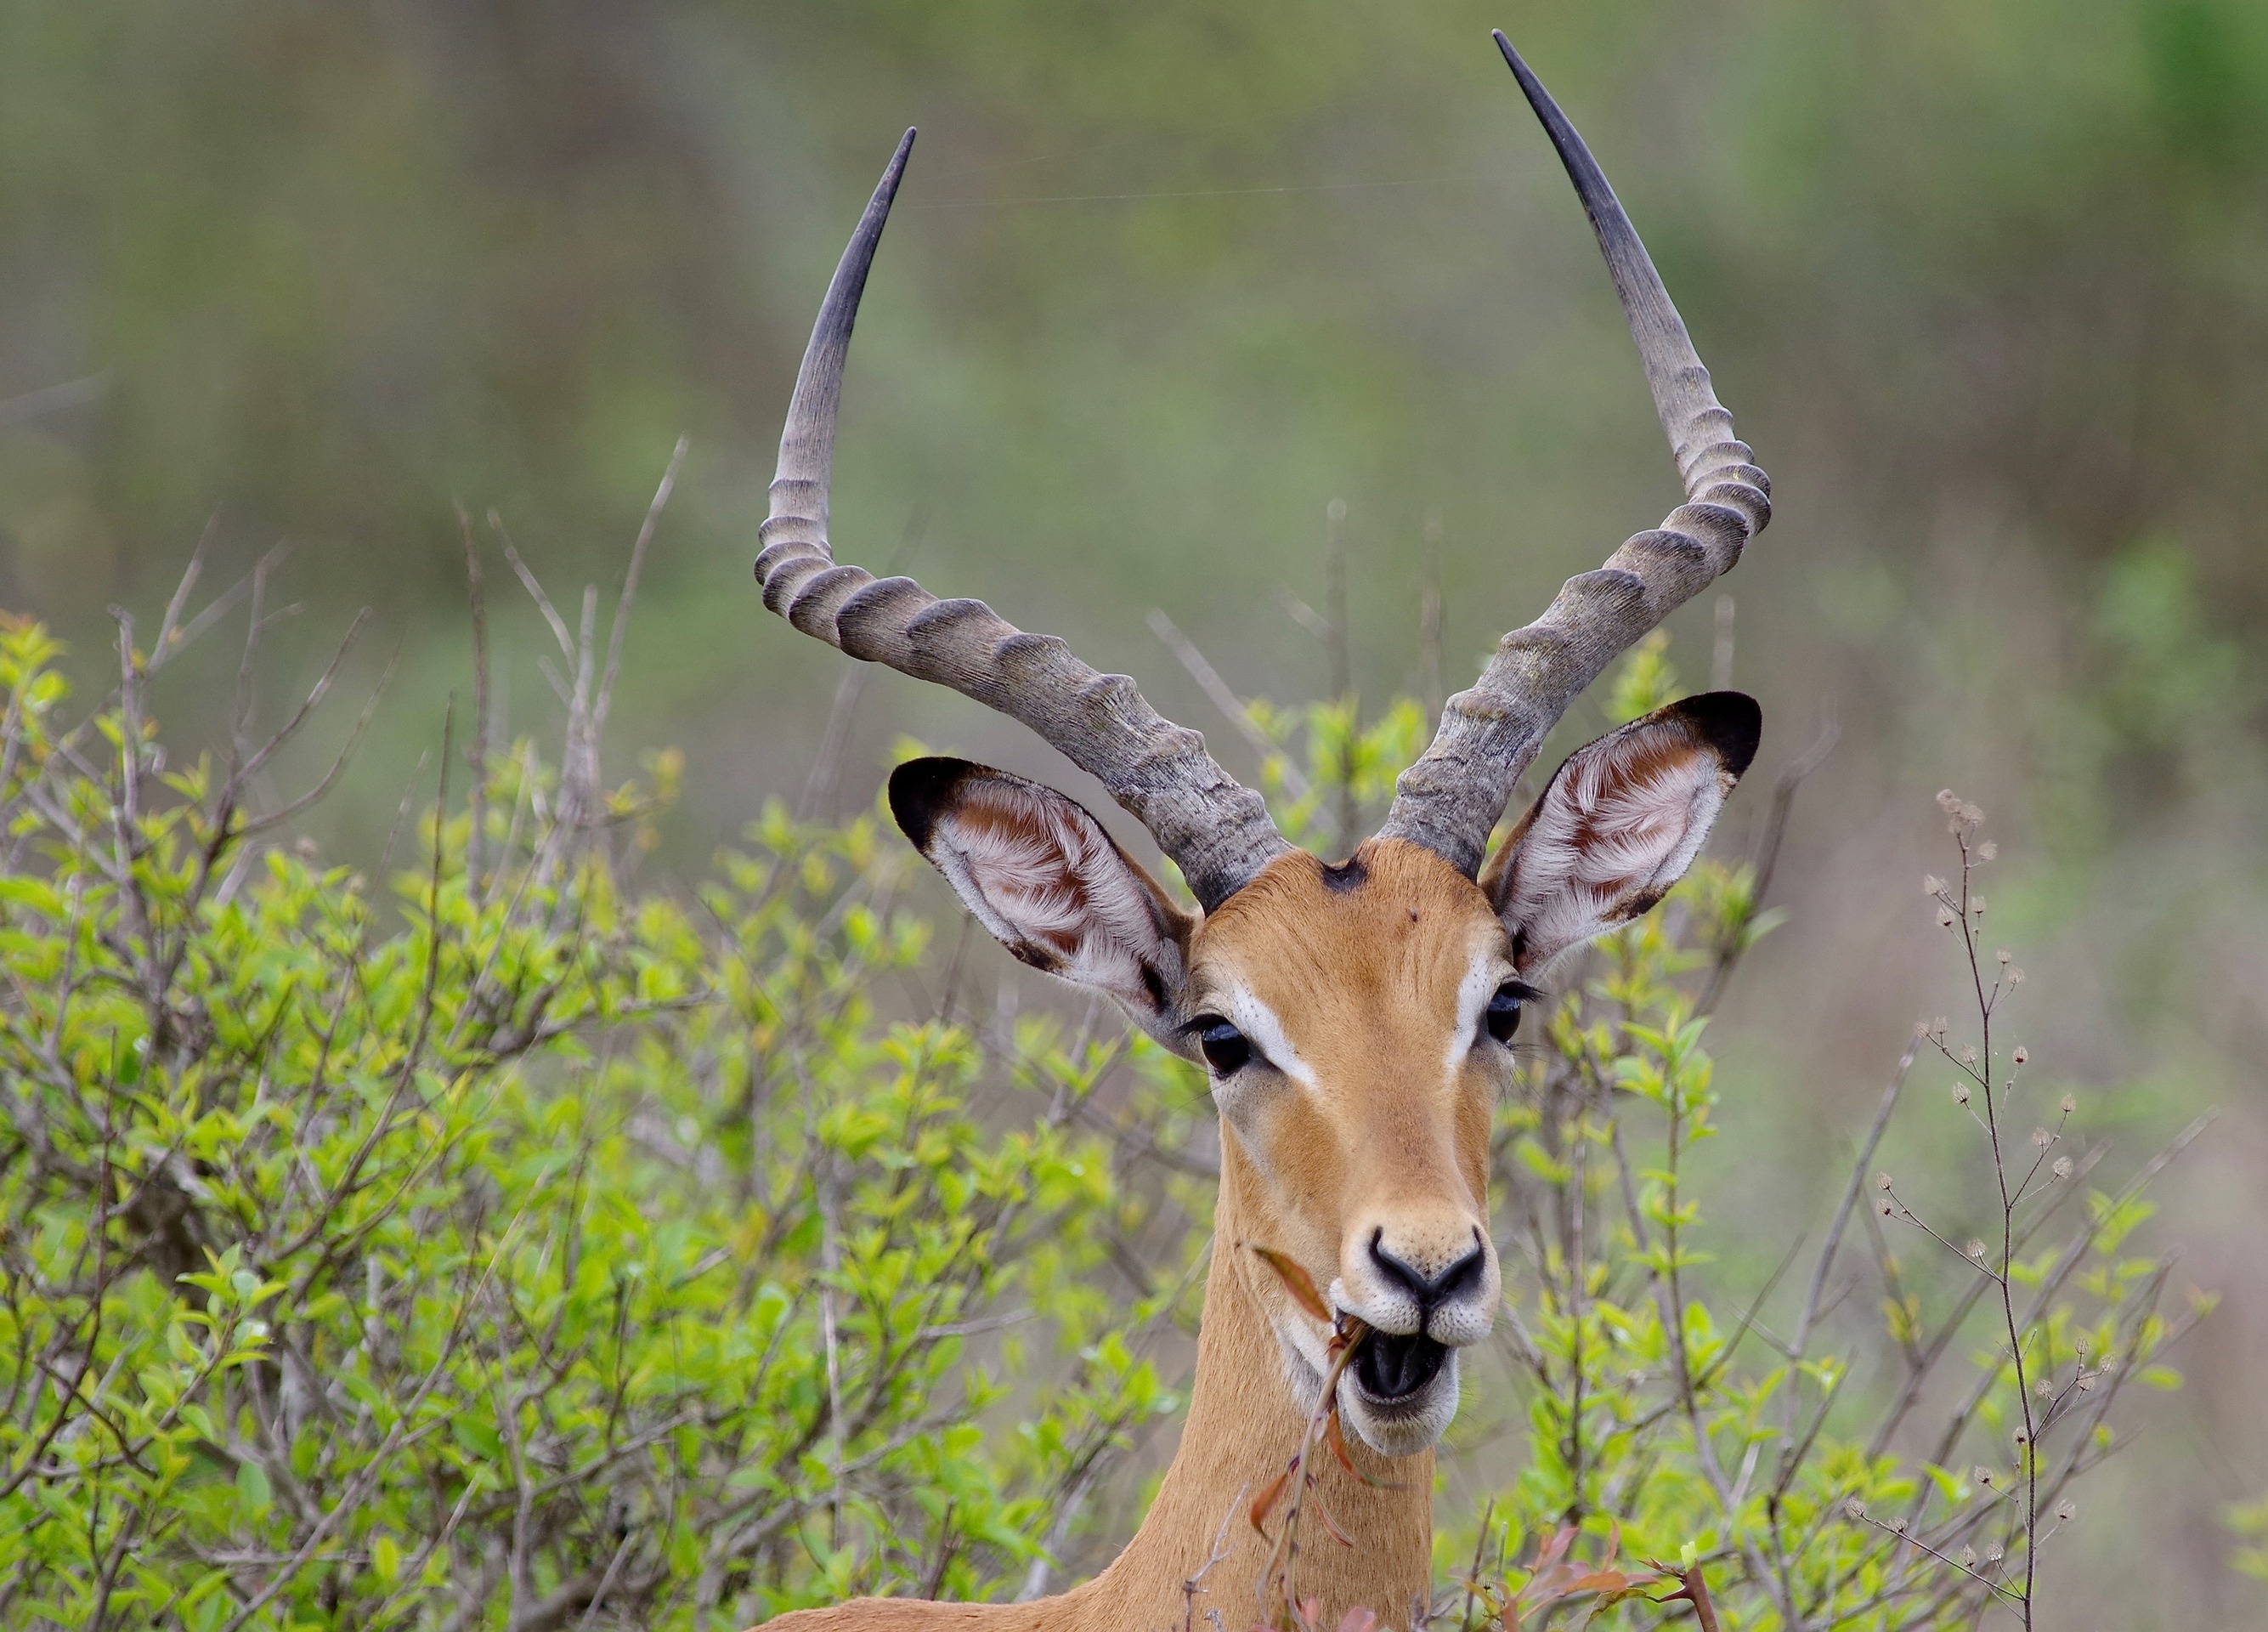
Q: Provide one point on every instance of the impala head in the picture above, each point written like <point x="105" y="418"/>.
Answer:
<point x="1356" y="1020"/>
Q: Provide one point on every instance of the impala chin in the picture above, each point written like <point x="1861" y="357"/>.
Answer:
<point x="1401" y="1394"/>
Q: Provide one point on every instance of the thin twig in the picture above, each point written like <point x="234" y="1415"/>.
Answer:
<point x="477" y="746"/>
<point x="1234" y="710"/>
<point x="605" y="700"/>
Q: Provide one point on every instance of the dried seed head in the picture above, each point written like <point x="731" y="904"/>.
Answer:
<point x="2067" y="1510"/>
<point x="1921" y="1027"/>
<point x="2062" y="1169"/>
<point x="2022" y="1055"/>
<point x="2042" y="1139"/>
<point x="1983" y="1476"/>
<point x="1881" y="1181"/>
<point x="1932" y="885"/>
<point x="1968" y="1556"/>
<point x="1969" y="1055"/>
<point x="2044" y="1389"/>
<point x="1995" y="1553"/>
<point x="2002" y="954"/>
<point x="1987" y="851"/>
<point x="1948" y="800"/>
<point x="2015" y="976"/>
<point x="2021" y="1437"/>
<point x="1971" y="814"/>
<point x="1945" y="918"/>
<point x="1854" y="1509"/>
<point x="1886" y="1206"/>
<point x="1976" y="1249"/>
<point x="1976" y="905"/>
<point x="2070" y="1103"/>
<point x="1899" y="1524"/>
<point x="1960" y="1093"/>
<point x="2087" y="1382"/>
<point x="1940" y="1025"/>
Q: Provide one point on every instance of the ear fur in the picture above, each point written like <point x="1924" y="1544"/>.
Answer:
<point x="1619" y="823"/>
<point x="1040" y="873"/>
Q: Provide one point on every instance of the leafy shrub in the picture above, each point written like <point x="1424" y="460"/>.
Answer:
<point x="508" y="1248"/>
<point x="1660" y="1427"/>
<point x="546" y="1256"/>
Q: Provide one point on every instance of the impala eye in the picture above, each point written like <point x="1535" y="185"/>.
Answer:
<point x="1503" y="1017"/>
<point x="1224" y="1046"/>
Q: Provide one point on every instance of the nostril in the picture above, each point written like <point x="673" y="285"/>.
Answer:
<point x="1402" y="1274"/>
<point x="1463" y="1277"/>
<point x="1430" y="1291"/>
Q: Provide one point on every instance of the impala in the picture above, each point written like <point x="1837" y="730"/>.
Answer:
<point x="1355" y="1019"/>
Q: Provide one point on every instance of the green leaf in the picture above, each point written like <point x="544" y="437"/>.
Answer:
<point x="253" y="1494"/>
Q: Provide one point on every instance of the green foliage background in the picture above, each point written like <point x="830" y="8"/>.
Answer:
<point x="1982" y="283"/>
<point x="566" y="1256"/>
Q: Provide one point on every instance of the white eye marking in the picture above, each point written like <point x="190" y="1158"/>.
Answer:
<point x="1483" y="975"/>
<point x="1266" y="1034"/>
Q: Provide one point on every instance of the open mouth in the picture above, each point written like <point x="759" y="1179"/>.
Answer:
<point x="1391" y="1367"/>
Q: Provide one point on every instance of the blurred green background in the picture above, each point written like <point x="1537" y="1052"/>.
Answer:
<point x="1984" y="284"/>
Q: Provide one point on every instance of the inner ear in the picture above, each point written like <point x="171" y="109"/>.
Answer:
<point x="1619" y="823"/>
<point x="1039" y="872"/>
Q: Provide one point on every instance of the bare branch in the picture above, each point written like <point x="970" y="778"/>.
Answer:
<point x="290" y="728"/>
<point x="1232" y="710"/>
<point x="534" y="588"/>
<point x="477" y="747"/>
<point x="629" y="588"/>
<point x="163" y="646"/>
<point x="329" y="779"/>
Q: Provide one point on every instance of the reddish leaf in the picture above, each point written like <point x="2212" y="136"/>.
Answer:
<point x="1266" y="1504"/>
<point x="1332" y="1524"/>
<point x="1551" y="1582"/>
<point x="1556" y="1549"/>
<point x="1337" y="1440"/>
<point x="1358" y="1619"/>
<point x="1610" y="1580"/>
<point x="1298" y="1282"/>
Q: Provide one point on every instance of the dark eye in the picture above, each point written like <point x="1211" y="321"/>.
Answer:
<point x="1222" y="1045"/>
<point x="1503" y="1017"/>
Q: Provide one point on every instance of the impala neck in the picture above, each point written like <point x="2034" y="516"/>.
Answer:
<point x="1244" y="1427"/>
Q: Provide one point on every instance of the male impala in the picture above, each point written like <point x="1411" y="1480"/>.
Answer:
<point x="1355" y="1019"/>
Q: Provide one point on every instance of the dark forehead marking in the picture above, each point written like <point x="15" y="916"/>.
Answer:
<point x="1349" y="876"/>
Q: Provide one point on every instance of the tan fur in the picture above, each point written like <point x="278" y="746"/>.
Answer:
<point x="1366" y="980"/>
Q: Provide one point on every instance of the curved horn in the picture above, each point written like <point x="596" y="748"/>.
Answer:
<point x="1216" y="830"/>
<point x="1450" y="800"/>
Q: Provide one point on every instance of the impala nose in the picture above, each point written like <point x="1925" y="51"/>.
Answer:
<point x="1460" y="1280"/>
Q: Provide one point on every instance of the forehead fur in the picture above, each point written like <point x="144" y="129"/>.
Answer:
<point x="1394" y="925"/>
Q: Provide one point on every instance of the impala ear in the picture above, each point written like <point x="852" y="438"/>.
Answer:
<point x="1040" y="873"/>
<point x="1619" y="823"/>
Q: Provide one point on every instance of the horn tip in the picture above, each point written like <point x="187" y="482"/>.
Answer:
<point x="1529" y="83"/>
<point x="896" y="167"/>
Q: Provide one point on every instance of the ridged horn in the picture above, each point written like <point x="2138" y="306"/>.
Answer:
<point x="1216" y="830"/>
<point x="1451" y="799"/>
